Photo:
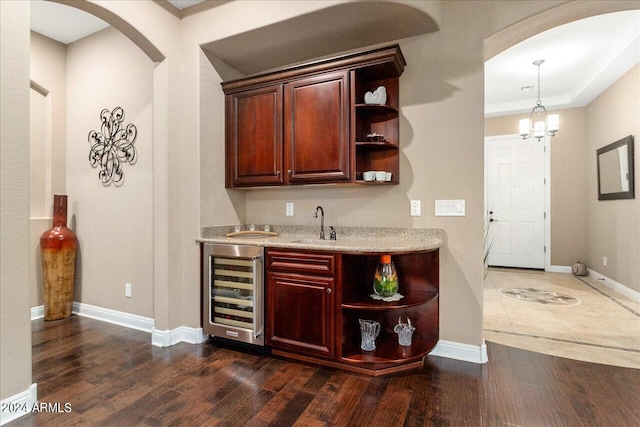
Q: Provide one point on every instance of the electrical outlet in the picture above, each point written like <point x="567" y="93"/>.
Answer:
<point x="415" y="208"/>
<point x="289" y="209"/>
<point x="127" y="290"/>
<point x="604" y="261"/>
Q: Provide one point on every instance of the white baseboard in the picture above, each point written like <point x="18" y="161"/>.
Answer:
<point x="558" y="269"/>
<point x="18" y="404"/>
<point x="159" y="337"/>
<point x="37" y="312"/>
<point x="121" y="318"/>
<point x="459" y="351"/>
<point x="171" y="337"/>
<point x="127" y="320"/>
<point x="618" y="287"/>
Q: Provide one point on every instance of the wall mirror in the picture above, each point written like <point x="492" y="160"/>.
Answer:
<point x="615" y="170"/>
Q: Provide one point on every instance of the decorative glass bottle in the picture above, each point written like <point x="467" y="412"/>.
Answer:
<point x="385" y="280"/>
<point x="58" y="246"/>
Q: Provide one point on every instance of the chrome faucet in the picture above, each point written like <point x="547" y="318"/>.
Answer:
<point x="319" y="208"/>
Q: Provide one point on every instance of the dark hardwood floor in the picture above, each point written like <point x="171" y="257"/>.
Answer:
<point x="113" y="376"/>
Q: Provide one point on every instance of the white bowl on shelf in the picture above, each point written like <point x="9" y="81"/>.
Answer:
<point x="369" y="175"/>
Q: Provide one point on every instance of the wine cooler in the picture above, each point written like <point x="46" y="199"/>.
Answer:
<point x="233" y="292"/>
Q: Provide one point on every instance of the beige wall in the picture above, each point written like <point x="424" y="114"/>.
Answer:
<point x="15" y="326"/>
<point x="568" y="174"/>
<point x="613" y="228"/>
<point x="39" y="182"/>
<point x="156" y="32"/>
<point x="48" y="70"/>
<point x="113" y="223"/>
<point x="39" y="153"/>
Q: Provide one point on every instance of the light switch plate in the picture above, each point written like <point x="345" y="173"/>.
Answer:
<point x="289" y="209"/>
<point x="450" y="208"/>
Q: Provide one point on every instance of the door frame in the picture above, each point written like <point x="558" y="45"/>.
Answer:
<point x="547" y="192"/>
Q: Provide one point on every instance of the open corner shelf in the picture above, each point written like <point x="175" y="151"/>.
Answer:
<point x="382" y="119"/>
<point x="387" y="350"/>
<point x="376" y="108"/>
<point x="379" y="145"/>
<point x="363" y="182"/>
<point x="418" y="273"/>
<point x="411" y="298"/>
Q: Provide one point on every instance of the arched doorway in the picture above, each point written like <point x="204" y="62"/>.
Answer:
<point x="158" y="117"/>
<point x="596" y="337"/>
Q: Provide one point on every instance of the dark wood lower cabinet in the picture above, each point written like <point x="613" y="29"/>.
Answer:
<point x="300" y="315"/>
<point x="316" y="299"/>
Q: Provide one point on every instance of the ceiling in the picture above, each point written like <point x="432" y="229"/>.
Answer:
<point x="68" y="24"/>
<point x="63" y="23"/>
<point x="183" y="4"/>
<point x="582" y="58"/>
<point x="305" y="38"/>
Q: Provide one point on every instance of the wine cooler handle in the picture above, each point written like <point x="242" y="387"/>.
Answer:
<point x="258" y="297"/>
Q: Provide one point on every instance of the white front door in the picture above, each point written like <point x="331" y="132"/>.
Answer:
<point x="515" y="201"/>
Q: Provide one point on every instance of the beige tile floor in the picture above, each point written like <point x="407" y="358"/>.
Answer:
<point x="604" y="327"/>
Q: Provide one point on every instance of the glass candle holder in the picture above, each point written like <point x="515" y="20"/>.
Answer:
<point x="385" y="279"/>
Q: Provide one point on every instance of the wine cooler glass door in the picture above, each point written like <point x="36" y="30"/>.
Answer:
<point x="234" y="289"/>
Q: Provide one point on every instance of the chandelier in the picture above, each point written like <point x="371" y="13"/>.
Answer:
<point x="539" y="124"/>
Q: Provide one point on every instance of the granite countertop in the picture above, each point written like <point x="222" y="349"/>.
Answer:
<point x="350" y="239"/>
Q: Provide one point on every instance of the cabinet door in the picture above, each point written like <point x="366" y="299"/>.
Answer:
<point x="316" y="129"/>
<point x="300" y="313"/>
<point x="254" y="137"/>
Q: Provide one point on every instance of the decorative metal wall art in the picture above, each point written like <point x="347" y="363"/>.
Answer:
<point x="112" y="146"/>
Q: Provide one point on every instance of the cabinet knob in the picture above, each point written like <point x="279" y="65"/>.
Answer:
<point x="277" y="173"/>
<point x="328" y="290"/>
<point x="289" y="172"/>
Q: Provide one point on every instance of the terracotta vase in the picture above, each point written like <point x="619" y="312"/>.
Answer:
<point x="58" y="247"/>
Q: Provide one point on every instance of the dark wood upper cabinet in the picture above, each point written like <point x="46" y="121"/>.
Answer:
<point x="254" y="137"/>
<point x="316" y="131"/>
<point x="309" y="124"/>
